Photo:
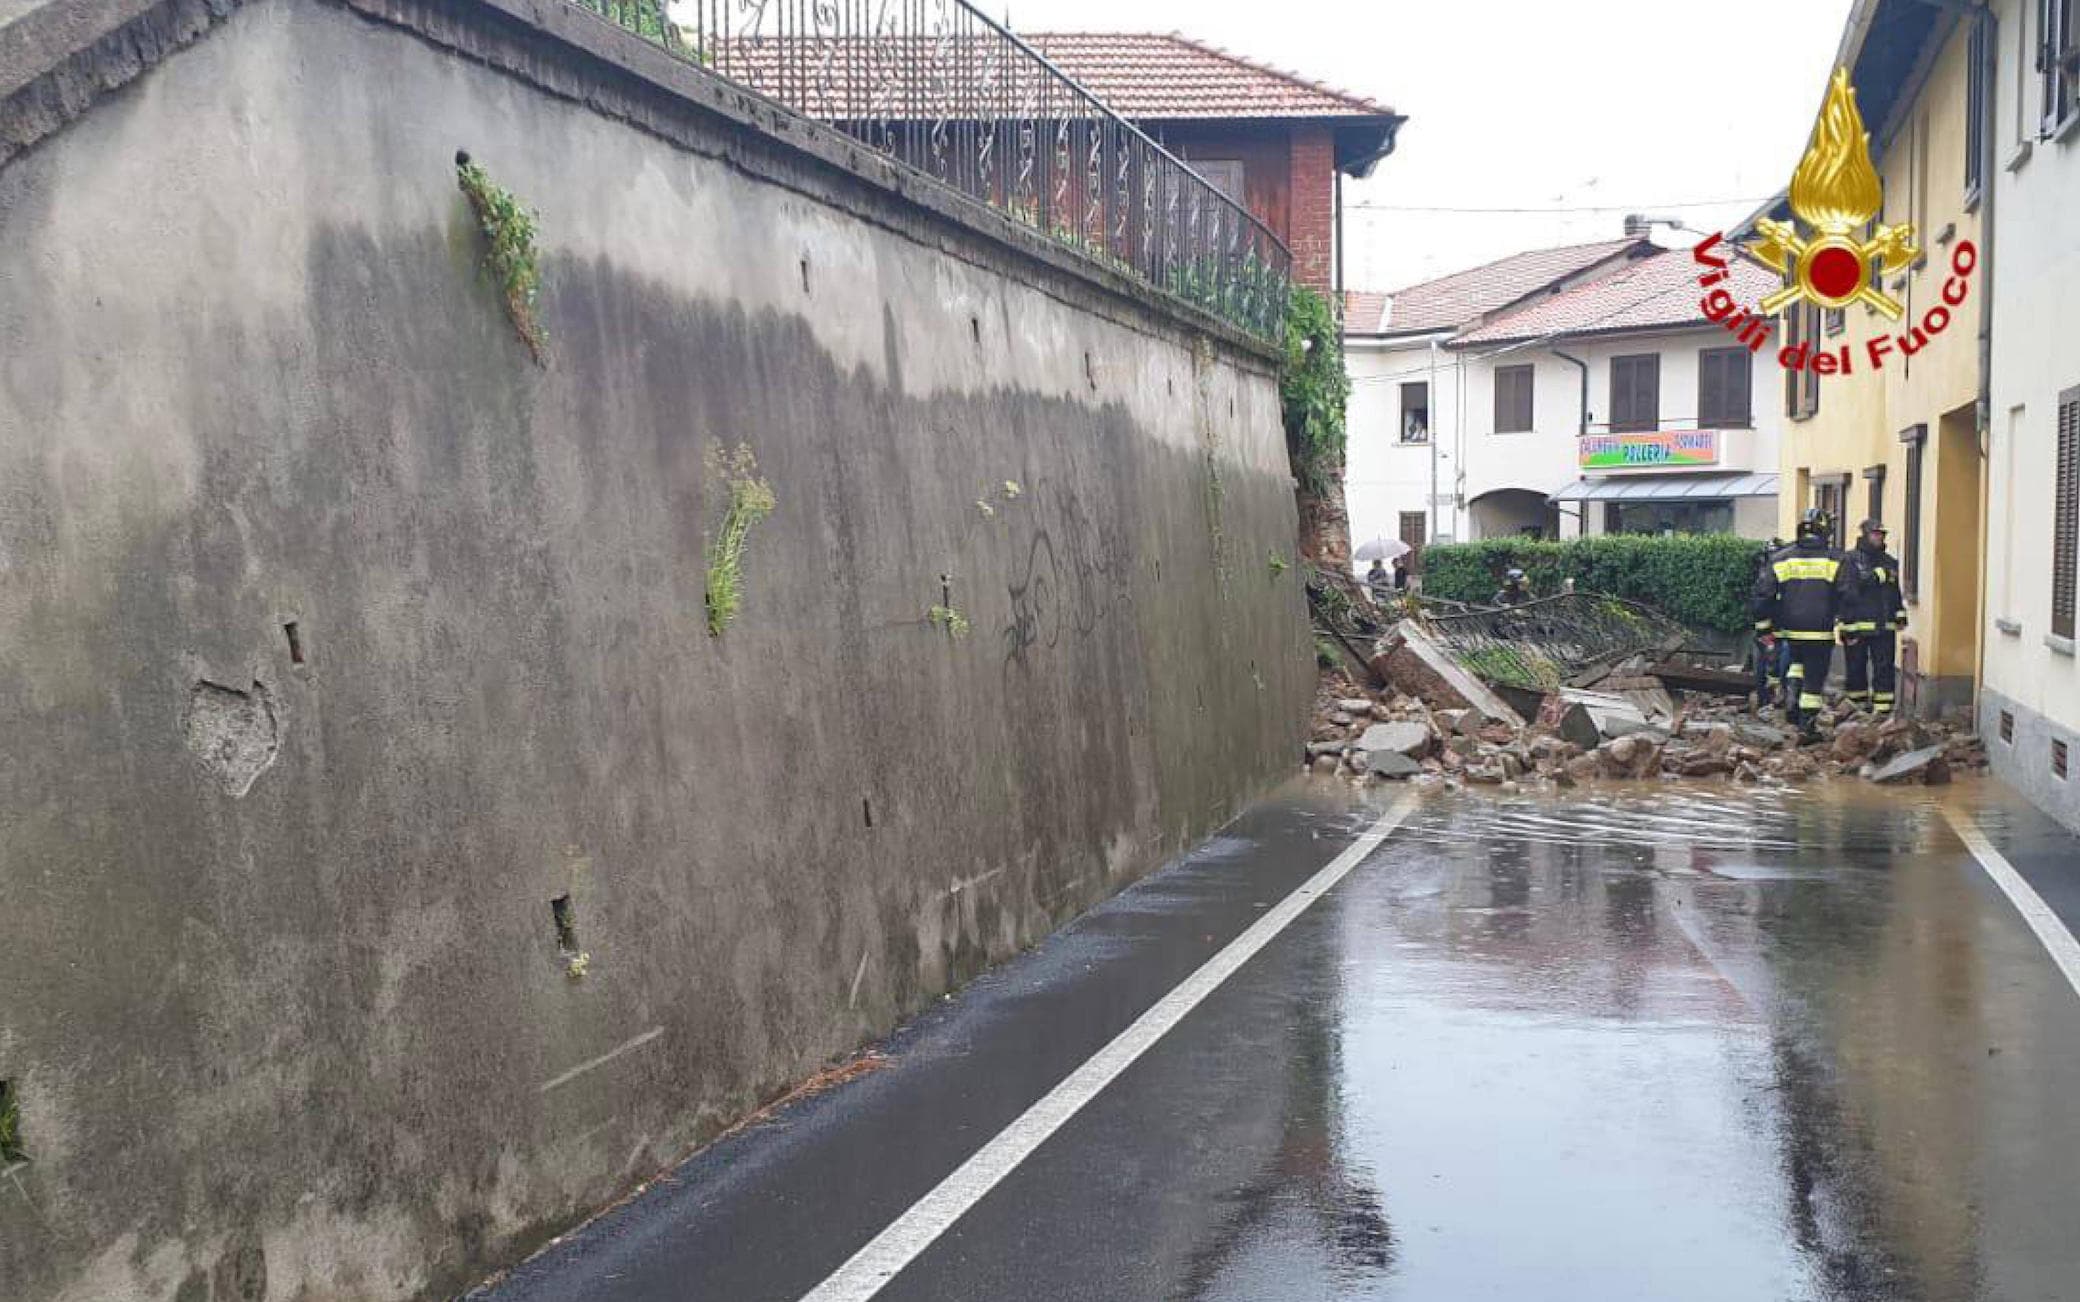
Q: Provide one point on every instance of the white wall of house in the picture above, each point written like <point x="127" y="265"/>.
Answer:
<point x="1546" y="459"/>
<point x="2030" y="673"/>
<point x="1386" y="475"/>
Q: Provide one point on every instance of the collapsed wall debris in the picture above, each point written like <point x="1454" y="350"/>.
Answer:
<point x="1581" y="687"/>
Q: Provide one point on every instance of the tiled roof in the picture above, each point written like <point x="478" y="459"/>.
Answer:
<point x="1462" y="298"/>
<point x="1658" y="290"/>
<point x="1363" y="312"/>
<point x="1167" y="77"/>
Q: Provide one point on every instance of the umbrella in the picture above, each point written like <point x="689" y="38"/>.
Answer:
<point x="1382" y="549"/>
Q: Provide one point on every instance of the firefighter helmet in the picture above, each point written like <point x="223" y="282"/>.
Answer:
<point x="1817" y="523"/>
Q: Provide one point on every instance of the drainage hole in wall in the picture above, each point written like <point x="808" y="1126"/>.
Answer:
<point x="1090" y="370"/>
<point x="11" y="1150"/>
<point x="2058" y="759"/>
<point x="866" y="809"/>
<point x="975" y="328"/>
<point x="566" y="915"/>
<point x="805" y="275"/>
<point x="2007" y="727"/>
<point x="295" y="642"/>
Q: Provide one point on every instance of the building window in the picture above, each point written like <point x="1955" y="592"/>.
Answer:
<point x="1837" y="320"/>
<point x="1513" y="399"/>
<point x="1724" y="381"/>
<point x="1224" y="175"/>
<point x="1635" y="392"/>
<point x="1874" y="480"/>
<point x="2058" y="60"/>
<point x="1975" y="112"/>
<point x="1831" y="494"/>
<point x="1802" y="387"/>
<point x="2065" y="519"/>
<point x="1916" y="439"/>
<point x="1415" y="412"/>
<point x="1664" y="518"/>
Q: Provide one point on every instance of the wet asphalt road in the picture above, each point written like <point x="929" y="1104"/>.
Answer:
<point x="1605" y="1046"/>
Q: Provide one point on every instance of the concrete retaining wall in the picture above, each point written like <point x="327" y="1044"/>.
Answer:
<point x="286" y="1009"/>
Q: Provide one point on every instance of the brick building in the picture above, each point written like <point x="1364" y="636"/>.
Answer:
<point x="1273" y="141"/>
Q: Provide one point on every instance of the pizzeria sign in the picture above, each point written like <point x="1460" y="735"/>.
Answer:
<point x="1663" y="448"/>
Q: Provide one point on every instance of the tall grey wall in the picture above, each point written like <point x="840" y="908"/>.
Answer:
<point x="284" y="1003"/>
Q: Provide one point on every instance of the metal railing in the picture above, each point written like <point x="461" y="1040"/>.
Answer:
<point x="945" y="91"/>
<point x="1549" y="643"/>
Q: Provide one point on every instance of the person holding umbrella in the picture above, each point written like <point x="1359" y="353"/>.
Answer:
<point x="1380" y="551"/>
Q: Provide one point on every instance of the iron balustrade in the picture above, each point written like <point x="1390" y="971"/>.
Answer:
<point x="1548" y="643"/>
<point x="945" y="91"/>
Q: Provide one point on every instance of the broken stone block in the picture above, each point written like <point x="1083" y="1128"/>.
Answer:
<point x="1578" y="726"/>
<point x="1582" y="767"/>
<point x="1853" y="741"/>
<point x="1925" y="766"/>
<point x="1317" y="749"/>
<point x="1391" y="764"/>
<point x="1325" y="765"/>
<point x="1411" y="739"/>
<point x="1354" y="705"/>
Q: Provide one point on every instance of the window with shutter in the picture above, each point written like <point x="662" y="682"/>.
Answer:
<point x="1724" y="379"/>
<point x="1513" y="399"/>
<point x="2065" y="523"/>
<point x="1635" y="392"/>
<point x="1975" y="111"/>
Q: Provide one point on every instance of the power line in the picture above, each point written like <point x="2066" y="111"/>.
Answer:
<point x="1362" y="206"/>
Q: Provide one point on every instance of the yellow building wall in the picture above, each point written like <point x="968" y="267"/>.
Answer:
<point x="1921" y="159"/>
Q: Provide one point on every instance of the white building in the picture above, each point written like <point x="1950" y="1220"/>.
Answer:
<point x="1558" y="393"/>
<point x="2029" y="705"/>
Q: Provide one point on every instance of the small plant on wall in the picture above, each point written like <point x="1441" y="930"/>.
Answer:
<point x="749" y="499"/>
<point x="509" y="251"/>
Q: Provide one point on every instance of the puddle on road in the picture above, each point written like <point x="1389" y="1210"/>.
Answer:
<point x="1835" y="817"/>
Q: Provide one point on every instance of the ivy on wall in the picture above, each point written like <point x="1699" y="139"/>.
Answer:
<point x="1313" y="389"/>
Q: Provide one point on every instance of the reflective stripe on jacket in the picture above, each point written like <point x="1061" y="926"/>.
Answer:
<point x="1795" y="593"/>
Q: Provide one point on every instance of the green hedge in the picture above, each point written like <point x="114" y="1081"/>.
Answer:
<point x="1701" y="580"/>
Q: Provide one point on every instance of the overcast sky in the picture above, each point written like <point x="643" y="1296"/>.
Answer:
<point x="1544" y="104"/>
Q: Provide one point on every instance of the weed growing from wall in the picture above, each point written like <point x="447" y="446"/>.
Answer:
<point x="749" y="499"/>
<point x="509" y="251"/>
<point x="1276" y="562"/>
<point x="949" y="619"/>
<point x="11" y="1150"/>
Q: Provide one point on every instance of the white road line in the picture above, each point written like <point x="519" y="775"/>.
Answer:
<point x="2065" y="951"/>
<point x="601" y="1061"/>
<point x="873" y="1266"/>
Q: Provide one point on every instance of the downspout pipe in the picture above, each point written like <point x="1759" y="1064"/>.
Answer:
<point x="1583" y="427"/>
<point x="1581" y="516"/>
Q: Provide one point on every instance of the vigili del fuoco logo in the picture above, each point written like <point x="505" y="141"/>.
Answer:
<point x="1835" y="253"/>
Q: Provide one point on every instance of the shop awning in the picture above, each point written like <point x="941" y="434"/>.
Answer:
<point x="1666" y="488"/>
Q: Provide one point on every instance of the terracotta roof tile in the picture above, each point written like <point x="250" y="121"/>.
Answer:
<point x="1167" y="77"/>
<point x="1464" y="297"/>
<point x="1658" y="290"/>
<point x="1363" y="312"/>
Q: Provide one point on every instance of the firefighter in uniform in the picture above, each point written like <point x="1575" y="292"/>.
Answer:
<point x="1871" y="613"/>
<point x="1795" y="598"/>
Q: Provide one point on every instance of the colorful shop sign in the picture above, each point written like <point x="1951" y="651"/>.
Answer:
<point x="1662" y="448"/>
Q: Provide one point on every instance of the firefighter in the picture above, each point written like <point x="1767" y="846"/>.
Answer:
<point x="1872" y="614"/>
<point x="1514" y="590"/>
<point x="1795" y="603"/>
<point x="1770" y="655"/>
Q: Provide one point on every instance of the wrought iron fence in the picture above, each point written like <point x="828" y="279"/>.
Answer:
<point x="947" y="92"/>
<point x="1548" y="643"/>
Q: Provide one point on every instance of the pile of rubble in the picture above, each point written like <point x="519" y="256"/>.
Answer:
<point x="1441" y="738"/>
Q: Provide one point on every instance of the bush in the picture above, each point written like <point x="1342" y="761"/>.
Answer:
<point x="1701" y="580"/>
<point x="1313" y="389"/>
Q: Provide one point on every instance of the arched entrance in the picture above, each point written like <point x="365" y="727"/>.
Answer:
<point x="1513" y="513"/>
